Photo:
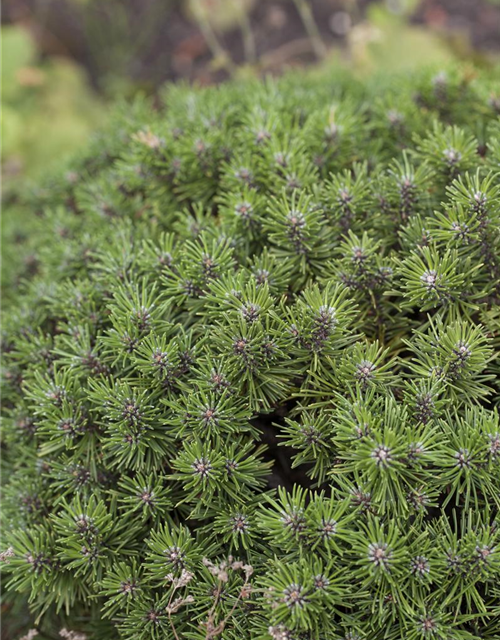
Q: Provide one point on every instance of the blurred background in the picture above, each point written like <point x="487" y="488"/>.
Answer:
<point x="65" y="60"/>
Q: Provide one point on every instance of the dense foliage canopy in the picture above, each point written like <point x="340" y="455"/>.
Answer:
<point x="250" y="375"/>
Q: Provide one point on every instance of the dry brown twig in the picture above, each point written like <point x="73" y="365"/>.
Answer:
<point x="221" y="572"/>
<point x="174" y="606"/>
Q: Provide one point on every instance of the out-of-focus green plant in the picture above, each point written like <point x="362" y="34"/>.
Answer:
<point x="48" y="113"/>
<point x="386" y="41"/>
<point x="48" y="110"/>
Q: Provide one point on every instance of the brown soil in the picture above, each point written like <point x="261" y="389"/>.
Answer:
<point x="478" y="19"/>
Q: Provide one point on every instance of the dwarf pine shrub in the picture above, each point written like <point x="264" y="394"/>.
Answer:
<point x="250" y="370"/>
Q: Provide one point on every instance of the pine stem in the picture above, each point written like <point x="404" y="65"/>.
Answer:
<point x="216" y="48"/>
<point x="304" y="9"/>
<point x="170" y="615"/>
<point x="246" y="29"/>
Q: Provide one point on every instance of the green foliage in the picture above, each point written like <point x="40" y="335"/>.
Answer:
<point x="251" y="369"/>
<point x="36" y="98"/>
